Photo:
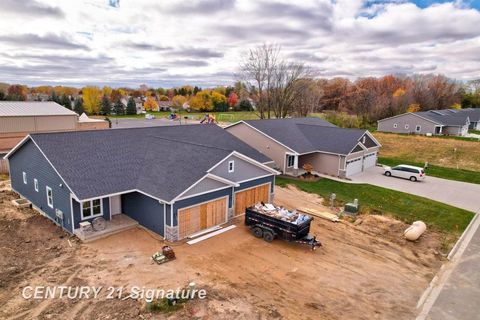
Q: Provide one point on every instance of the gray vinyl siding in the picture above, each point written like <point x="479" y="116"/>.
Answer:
<point x="77" y="215"/>
<point x="455" y="131"/>
<point x="243" y="170"/>
<point x="387" y="125"/>
<point x="200" y="199"/>
<point x="205" y="185"/>
<point x="30" y="160"/>
<point x="147" y="211"/>
<point x="257" y="182"/>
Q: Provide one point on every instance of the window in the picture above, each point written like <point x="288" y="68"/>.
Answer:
<point x="407" y="126"/>
<point x="418" y="128"/>
<point x="35" y="184"/>
<point x="24" y="177"/>
<point x="395" y="125"/>
<point x="91" y="209"/>
<point x="49" y="197"/>
<point x="364" y="139"/>
<point x="231" y="166"/>
<point x="290" y="161"/>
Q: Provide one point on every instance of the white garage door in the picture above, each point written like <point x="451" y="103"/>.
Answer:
<point x="354" y="166"/>
<point x="370" y="160"/>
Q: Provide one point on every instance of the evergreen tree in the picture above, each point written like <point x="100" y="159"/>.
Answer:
<point x="119" y="107"/>
<point x="131" y="106"/>
<point x="78" y="106"/>
<point x="54" y="97"/>
<point x="106" y="105"/>
<point x="65" y="101"/>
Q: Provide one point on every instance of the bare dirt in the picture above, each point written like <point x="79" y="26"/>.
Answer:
<point x="365" y="270"/>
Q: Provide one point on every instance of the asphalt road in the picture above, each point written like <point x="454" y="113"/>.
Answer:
<point x="459" y="194"/>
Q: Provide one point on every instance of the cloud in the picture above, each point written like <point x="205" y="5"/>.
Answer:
<point x="30" y="8"/>
<point x="145" y="46"/>
<point x="197" y="53"/>
<point x="198" y="6"/>
<point x="48" y="41"/>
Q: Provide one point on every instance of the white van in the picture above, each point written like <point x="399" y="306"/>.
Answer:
<point x="405" y="171"/>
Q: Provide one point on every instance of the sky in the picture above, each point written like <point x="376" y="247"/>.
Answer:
<point x="171" y="43"/>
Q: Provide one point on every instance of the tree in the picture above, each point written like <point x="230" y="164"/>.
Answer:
<point x="150" y="104"/>
<point x="119" y="107"/>
<point x="131" y="106"/>
<point x="414" y="107"/>
<point x="244" y="105"/>
<point x="54" y="97"/>
<point x="178" y="101"/>
<point x="232" y="99"/>
<point x="78" y="105"/>
<point x="17" y="92"/>
<point x="106" y="105"/>
<point x="65" y="101"/>
<point x="91" y="99"/>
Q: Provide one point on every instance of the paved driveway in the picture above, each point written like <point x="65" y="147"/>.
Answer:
<point x="459" y="194"/>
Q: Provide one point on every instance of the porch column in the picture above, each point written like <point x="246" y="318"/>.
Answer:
<point x="295" y="162"/>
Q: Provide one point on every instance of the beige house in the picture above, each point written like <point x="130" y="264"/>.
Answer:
<point x="19" y="118"/>
<point x="292" y="143"/>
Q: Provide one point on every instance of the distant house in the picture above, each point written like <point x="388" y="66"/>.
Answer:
<point x="164" y="105"/>
<point x="292" y="143"/>
<point x="174" y="180"/>
<point x="435" y="122"/>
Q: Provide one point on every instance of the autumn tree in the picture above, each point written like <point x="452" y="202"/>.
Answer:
<point x="150" y="104"/>
<point x="414" y="107"/>
<point x="232" y="99"/>
<point x="131" y="106"/>
<point x="106" y="105"/>
<point x="17" y="92"/>
<point x="178" y="101"/>
<point x="91" y="99"/>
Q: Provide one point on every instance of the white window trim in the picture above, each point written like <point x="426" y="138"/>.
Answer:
<point x="407" y="126"/>
<point x="24" y="175"/>
<point x="35" y="184"/>
<point x="288" y="162"/>
<point x="395" y="125"/>
<point x="48" y="198"/>
<point x="91" y="209"/>
<point x="418" y="128"/>
<point x="364" y="139"/>
<point x="231" y="166"/>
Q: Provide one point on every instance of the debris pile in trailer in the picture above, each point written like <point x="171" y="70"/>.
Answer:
<point x="281" y="213"/>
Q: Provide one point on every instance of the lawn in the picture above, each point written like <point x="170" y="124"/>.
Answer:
<point x="220" y="116"/>
<point x="436" y="171"/>
<point x="450" y="153"/>
<point x="377" y="200"/>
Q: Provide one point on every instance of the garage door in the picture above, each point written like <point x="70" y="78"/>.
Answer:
<point x="206" y="215"/>
<point x="247" y="198"/>
<point x="354" y="166"/>
<point x="370" y="160"/>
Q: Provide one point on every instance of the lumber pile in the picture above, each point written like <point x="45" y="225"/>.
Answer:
<point x="321" y="214"/>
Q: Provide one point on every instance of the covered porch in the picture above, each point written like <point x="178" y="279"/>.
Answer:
<point x="118" y="223"/>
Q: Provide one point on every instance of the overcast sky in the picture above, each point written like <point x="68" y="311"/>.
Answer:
<point x="169" y="43"/>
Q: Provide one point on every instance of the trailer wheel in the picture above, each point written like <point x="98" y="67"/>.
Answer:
<point x="257" y="232"/>
<point x="268" y="236"/>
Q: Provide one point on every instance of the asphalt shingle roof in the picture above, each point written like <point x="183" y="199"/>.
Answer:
<point x="160" y="161"/>
<point x="305" y="135"/>
<point x="446" y="119"/>
<point x="33" y="108"/>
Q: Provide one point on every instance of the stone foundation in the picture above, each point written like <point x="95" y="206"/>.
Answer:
<point x="171" y="233"/>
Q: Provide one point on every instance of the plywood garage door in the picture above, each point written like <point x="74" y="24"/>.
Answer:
<point x="203" y="216"/>
<point x="247" y="198"/>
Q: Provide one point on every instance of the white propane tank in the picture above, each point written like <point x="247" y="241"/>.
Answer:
<point x="415" y="230"/>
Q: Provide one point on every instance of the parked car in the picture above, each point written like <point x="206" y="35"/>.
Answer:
<point x="405" y="171"/>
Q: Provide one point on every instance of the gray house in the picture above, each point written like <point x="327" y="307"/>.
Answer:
<point x="175" y="181"/>
<point x="294" y="142"/>
<point x="433" y="122"/>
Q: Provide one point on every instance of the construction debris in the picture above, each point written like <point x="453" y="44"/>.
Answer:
<point x="415" y="230"/>
<point x="321" y="214"/>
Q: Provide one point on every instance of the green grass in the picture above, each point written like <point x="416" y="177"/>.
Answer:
<point x="474" y="131"/>
<point x="436" y="171"/>
<point x="230" y="116"/>
<point x="400" y="205"/>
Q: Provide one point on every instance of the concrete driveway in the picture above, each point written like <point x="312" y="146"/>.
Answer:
<point x="459" y="194"/>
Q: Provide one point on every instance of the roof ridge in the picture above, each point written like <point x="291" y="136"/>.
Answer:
<point x="324" y="126"/>
<point x="189" y="142"/>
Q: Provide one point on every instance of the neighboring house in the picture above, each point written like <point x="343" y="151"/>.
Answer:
<point x="474" y="116"/>
<point x="434" y="122"/>
<point x="19" y="118"/>
<point x="164" y="105"/>
<point x="175" y="180"/>
<point x="292" y="143"/>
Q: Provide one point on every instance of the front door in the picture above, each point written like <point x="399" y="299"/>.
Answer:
<point x="116" y="204"/>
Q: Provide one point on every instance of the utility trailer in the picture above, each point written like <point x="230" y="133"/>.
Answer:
<point x="269" y="227"/>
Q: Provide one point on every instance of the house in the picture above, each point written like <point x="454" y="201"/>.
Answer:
<point x="19" y="118"/>
<point x="474" y="116"/>
<point x="433" y="122"/>
<point x="292" y="143"/>
<point x="173" y="180"/>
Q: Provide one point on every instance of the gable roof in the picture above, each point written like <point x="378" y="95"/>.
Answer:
<point x="305" y="135"/>
<point x="445" y="118"/>
<point x="159" y="161"/>
<point x="33" y="108"/>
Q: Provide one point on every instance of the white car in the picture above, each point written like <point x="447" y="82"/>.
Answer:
<point x="405" y="171"/>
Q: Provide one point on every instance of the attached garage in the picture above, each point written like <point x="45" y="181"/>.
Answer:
<point x="369" y="160"/>
<point x="248" y="197"/>
<point x="354" y="166"/>
<point x="202" y="216"/>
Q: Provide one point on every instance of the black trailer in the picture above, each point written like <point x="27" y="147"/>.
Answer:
<point x="269" y="228"/>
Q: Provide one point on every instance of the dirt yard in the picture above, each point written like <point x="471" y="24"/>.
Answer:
<point x="365" y="270"/>
<point x="438" y="151"/>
